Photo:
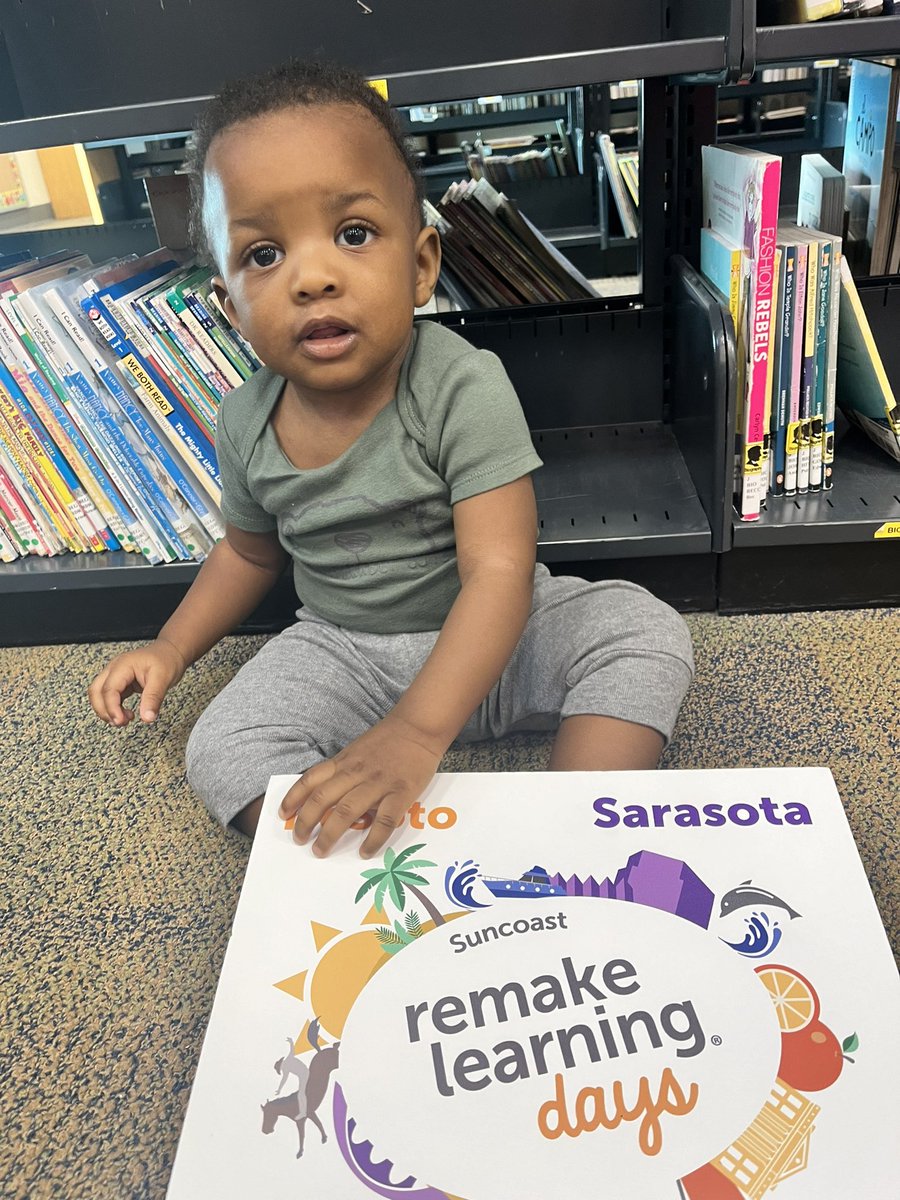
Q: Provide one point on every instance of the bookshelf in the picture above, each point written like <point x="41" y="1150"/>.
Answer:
<point x="628" y="399"/>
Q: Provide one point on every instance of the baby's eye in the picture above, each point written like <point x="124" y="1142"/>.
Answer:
<point x="264" y="256"/>
<point x="355" y="235"/>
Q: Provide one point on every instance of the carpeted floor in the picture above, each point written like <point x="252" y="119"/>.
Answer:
<point x="119" y="891"/>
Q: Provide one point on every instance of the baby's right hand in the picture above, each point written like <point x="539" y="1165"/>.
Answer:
<point x="151" y="670"/>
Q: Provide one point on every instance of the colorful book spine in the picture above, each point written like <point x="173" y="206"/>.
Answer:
<point x="45" y="379"/>
<point x="133" y="478"/>
<point x="153" y="387"/>
<point x="808" y="368"/>
<point x="784" y="357"/>
<point x="770" y="376"/>
<point x="831" y="364"/>
<point x="34" y="389"/>
<point x="173" y="466"/>
<point x="222" y="333"/>
<point x="792" y="437"/>
<point x="220" y="373"/>
<point x="50" y="462"/>
<point x="817" y="421"/>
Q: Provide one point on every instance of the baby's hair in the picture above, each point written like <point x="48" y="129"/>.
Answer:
<point x="294" y="84"/>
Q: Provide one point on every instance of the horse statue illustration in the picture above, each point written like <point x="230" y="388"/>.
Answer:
<point x="303" y="1104"/>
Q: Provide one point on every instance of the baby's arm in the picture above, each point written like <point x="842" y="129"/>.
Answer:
<point x="387" y="768"/>
<point x="239" y="572"/>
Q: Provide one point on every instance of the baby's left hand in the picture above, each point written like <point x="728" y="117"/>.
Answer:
<point x="382" y="772"/>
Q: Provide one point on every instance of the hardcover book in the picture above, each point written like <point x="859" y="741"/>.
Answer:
<point x="667" y="985"/>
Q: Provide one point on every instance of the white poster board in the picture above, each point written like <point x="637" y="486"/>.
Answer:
<point x="652" y="985"/>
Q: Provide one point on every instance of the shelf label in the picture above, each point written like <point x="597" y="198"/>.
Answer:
<point x="380" y="86"/>
<point x="890" y="529"/>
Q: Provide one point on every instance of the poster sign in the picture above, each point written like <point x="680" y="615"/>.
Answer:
<point x="648" y="985"/>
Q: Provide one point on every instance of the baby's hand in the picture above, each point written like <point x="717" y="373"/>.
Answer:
<point x="383" y="772"/>
<point x="151" y="670"/>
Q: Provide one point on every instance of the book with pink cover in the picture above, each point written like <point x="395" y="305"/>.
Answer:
<point x="667" y="985"/>
<point x="741" y="190"/>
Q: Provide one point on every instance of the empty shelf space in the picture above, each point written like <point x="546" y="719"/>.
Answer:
<point x="616" y="491"/>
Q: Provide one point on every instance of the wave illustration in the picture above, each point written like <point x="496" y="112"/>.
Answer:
<point x="459" y="881"/>
<point x="761" y="938"/>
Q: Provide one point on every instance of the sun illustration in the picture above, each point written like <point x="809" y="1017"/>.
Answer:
<point x="345" y="964"/>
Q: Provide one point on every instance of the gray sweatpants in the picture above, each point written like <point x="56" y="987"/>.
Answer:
<point x="605" y="648"/>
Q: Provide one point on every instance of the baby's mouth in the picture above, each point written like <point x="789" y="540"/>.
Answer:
<point x="327" y="341"/>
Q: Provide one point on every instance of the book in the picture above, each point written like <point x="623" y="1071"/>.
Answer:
<point x="740" y="201"/>
<point x="821" y="195"/>
<point x="783" y="380"/>
<point x="868" y="161"/>
<point x="864" y="392"/>
<point x="680" y="986"/>
<point x="721" y="263"/>
<point x="624" y="204"/>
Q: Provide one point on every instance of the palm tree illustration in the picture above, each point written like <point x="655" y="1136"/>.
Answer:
<point x="396" y="877"/>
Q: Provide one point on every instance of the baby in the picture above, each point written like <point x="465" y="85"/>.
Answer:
<point x="391" y="463"/>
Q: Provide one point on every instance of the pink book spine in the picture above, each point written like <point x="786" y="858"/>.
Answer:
<point x="762" y="298"/>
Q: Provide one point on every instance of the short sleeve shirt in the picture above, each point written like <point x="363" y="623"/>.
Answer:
<point x="371" y="533"/>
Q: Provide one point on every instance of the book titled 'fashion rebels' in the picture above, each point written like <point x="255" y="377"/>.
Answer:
<point x="645" y="984"/>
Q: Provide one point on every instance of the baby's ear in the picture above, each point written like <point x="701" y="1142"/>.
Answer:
<point x="221" y="291"/>
<point x="428" y="263"/>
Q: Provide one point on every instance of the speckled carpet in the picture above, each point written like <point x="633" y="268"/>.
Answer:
<point x="118" y="891"/>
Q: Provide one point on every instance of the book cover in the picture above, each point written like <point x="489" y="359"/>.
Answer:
<point x="777" y="301"/>
<point x="863" y="389"/>
<point x="678" y="987"/>
<point x="740" y="200"/>
<point x="868" y="156"/>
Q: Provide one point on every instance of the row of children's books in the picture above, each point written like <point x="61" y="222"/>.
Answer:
<point x="804" y="348"/>
<point x="110" y="379"/>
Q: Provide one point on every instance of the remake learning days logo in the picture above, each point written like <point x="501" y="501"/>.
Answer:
<point x="627" y="1035"/>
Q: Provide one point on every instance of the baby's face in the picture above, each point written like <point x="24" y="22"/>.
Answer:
<point x="311" y="218"/>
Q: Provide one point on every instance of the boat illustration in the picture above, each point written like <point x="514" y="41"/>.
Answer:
<point x="535" y="882"/>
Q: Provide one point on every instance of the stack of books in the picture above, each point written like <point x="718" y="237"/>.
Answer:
<point x="493" y="256"/>
<point x="110" y="381"/>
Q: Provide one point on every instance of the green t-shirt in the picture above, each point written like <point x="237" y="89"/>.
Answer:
<point x="371" y="534"/>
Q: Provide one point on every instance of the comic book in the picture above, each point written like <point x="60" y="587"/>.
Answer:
<point x="664" y="985"/>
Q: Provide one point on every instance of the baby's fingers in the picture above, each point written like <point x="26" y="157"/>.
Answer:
<point x="108" y="691"/>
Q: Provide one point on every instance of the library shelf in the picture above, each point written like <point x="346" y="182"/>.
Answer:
<point x="827" y="39"/>
<point x="589" y="505"/>
<point x="865" y="496"/>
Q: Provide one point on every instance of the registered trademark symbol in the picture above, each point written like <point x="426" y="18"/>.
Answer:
<point x="716" y="1040"/>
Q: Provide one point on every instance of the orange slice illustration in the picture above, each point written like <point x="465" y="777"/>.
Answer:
<point x="794" y="997"/>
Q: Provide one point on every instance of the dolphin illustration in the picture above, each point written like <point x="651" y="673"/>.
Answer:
<point x="746" y="894"/>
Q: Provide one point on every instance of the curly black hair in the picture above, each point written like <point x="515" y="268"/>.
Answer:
<point x="293" y="84"/>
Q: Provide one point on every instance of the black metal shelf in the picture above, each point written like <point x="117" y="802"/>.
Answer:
<point x="866" y="494"/>
<point x="619" y="491"/>
<point x="827" y="39"/>
<point x="541" y="115"/>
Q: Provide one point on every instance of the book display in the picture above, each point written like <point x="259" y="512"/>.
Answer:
<point x="656" y="994"/>
<point x="592" y="372"/>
